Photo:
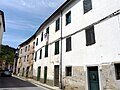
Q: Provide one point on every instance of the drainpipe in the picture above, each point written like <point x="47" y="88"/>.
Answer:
<point x="60" y="86"/>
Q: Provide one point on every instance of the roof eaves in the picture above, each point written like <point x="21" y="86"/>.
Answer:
<point x="52" y="15"/>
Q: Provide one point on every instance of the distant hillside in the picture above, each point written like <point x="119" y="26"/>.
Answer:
<point x="7" y="53"/>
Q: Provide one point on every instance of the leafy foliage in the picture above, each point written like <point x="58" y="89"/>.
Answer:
<point x="7" y="53"/>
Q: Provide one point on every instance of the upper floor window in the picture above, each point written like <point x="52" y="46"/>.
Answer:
<point x="36" y="41"/>
<point x="40" y="53"/>
<point x="47" y="30"/>
<point x="68" y="17"/>
<point x="28" y="47"/>
<point x="87" y="5"/>
<point x="35" y="56"/>
<point x="68" y="44"/>
<point x="24" y="58"/>
<point x="117" y="71"/>
<point x="33" y="44"/>
<point x="46" y="51"/>
<point x="25" y="48"/>
<point x="32" y="56"/>
<point x="21" y="51"/>
<point x="57" y="27"/>
<point x="41" y="36"/>
<point x="90" y="36"/>
<point x="27" y="57"/>
<point x="56" y="47"/>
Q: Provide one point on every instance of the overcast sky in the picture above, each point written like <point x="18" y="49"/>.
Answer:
<point x="23" y="17"/>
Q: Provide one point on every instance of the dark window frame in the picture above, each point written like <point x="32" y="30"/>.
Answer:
<point x="21" y="51"/>
<point x="46" y="51"/>
<point x="47" y="30"/>
<point x="36" y="41"/>
<point x="41" y="36"/>
<point x="68" y="18"/>
<point x="28" y="47"/>
<point x="27" y="57"/>
<point x="33" y="44"/>
<point x="117" y="71"/>
<point x="25" y="48"/>
<point x="90" y="36"/>
<point x="57" y="25"/>
<point x="68" y="71"/>
<point x="40" y="54"/>
<point x="35" y="56"/>
<point x="68" y="44"/>
<point x="87" y="6"/>
<point x="56" y="47"/>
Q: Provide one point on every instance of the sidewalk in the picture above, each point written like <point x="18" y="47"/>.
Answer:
<point x="37" y="82"/>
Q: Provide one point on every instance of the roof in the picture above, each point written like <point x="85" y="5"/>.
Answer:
<point x="2" y="13"/>
<point x="46" y="21"/>
<point x="56" y="12"/>
<point x="28" y="40"/>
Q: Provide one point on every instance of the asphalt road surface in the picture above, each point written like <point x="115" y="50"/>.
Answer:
<point x="12" y="83"/>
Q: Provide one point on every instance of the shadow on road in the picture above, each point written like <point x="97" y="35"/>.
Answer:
<point x="12" y="82"/>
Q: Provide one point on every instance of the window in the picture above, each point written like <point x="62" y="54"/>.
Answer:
<point x="27" y="57"/>
<point x="28" y="47"/>
<point x="35" y="56"/>
<point x="46" y="51"/>
<point x="90" y="36"/>
<point x="24" y="58"/>
<point x="36" y="41"/>
<point x="25" y="48"/>
<point x="87" y="5"/>
<point x="68" y="44"/>
<point x="33" y="44"/>
<point x="47" y="30"/>
<point x="41" y="54"/>
<point x="56" y="47"/>
<point x="68" y="71"/>
<point x="41" y="36"/>
<point x="57" y="24"/>
<point x="21" y="51"/>
<point x="68" y="17"/>
<point x="32" y="56"/>
<point x="117" y="71"/>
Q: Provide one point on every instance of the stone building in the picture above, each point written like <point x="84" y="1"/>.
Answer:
<point x="26" y="58"/>
<point x="77" y="47"/>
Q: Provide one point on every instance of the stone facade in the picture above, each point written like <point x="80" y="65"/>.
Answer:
<point x="26" y="58"/>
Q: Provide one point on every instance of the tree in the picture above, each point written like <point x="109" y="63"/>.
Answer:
<point x="7" y="54"/>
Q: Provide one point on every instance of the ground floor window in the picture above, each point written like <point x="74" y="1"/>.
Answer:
<point x="68" y="71"/>
<point x="117" y="71"/>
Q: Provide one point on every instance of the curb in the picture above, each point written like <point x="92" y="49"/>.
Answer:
<point x="37" y="82"/>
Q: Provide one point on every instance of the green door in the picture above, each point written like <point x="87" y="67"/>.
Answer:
<point x="38" y="73"/>
<point x="45" y="74"/>
<point x="93" y="78"/>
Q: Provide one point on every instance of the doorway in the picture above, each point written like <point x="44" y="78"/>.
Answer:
<point x="93" y="78"/>
<point x="45" y="74"/>
<point x="27" y="71"/>
<point x="38" y="73"/>
<point x="56" y="75"/>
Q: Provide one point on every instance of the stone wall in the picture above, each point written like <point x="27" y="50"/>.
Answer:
<point x="76" y="81"/>
<point x="108" y="77"/>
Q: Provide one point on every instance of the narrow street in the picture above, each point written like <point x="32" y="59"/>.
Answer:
<point x="12" y="83"/>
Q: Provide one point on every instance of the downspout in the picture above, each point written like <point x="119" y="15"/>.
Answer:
<point x="60" y="86"/>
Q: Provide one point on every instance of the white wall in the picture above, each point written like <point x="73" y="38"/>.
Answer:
<point x="1" y="29"/>
<point x="106" y="48"/>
